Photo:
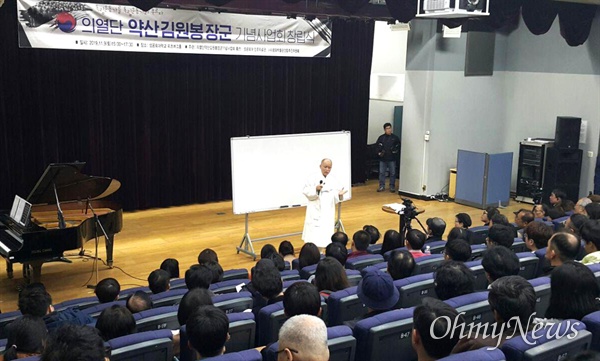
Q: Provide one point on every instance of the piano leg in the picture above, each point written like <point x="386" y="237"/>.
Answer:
<point x="32" y="271"/>
<point x="9" y="269"/>
<point x="109" y="249"/>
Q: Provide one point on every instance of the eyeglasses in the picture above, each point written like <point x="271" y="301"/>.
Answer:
<point x="287" y="348"/>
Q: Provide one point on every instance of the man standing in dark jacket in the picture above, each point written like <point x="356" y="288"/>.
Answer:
<point x="388" y="149"/>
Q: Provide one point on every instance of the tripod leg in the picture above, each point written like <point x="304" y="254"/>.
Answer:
<point x="109" y="249"/>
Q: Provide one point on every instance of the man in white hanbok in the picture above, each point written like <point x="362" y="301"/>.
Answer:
<point x="323" y="193"/>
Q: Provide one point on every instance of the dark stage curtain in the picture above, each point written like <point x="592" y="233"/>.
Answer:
<point x="162" y="123"/>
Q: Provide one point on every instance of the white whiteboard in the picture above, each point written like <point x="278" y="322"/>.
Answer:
<point x="269" y="172"/>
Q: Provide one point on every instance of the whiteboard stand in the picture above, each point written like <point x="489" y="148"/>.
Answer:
<point x="339" y="226"/>
<point x="246" y="245"/>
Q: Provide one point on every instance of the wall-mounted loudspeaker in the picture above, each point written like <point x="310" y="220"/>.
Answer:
<point x="567" y="132"/>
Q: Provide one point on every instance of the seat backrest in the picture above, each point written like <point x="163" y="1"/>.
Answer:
<point x="157" y="319"/>
<point x="436" y="247"/>
<point x="412" y="289"/>
<point x="129" y="291"/>
<point x="475" y="306"/>
<point x="541" y="286"/>
<point x="428" y="264"/>
<point x="594" y="268"/>
<point x="379" y="336"/>
<point x="150" y="345"/>
<point x="229" y="286"/>
<point x="308" y="271"/>
<point x="269" y="321"/>
<point x="375" y="248"/>
<point x="528" y="264"/>
<point x="344" y="305"/>
<point x="388" y="254"/>
<point x="5" y="319"/>
<point x="477" y="235"/>
<point x="242" y="331"/>
<point x="289" y="275"/>
<point x="481" y="281"/>
<point x="535" y="344"/>
<point x="361" y="262"/>
<point x="519" y="246"/>
<point x="95" y="311"/>
<point x="353" y="277"/>
<point x="483" y="354"/>
<point x="541" y="255"/>
<point x="477" y="250"/>
<point x="246" y="355"/>
<point x="288" y="283"/>
<point x="168" y="298"/>
<point x="559" y="222"/>
<point x="592" y="324"/>
<point x="235" y="274"/>
<point x="80" y="303"/>
<point x="177" y="283"/>
<point x="233" y="302"/>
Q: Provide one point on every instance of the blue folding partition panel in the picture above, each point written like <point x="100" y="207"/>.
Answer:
<point x="483" y="179"/>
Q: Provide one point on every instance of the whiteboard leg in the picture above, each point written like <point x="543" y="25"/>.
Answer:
<point x="246" y="245"/>
<point x="339" y="226"/>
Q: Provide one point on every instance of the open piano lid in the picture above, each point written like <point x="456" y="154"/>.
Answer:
<point x="71" y="185"/>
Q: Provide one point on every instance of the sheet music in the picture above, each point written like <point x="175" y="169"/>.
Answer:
<point x="397" y="207"/>
<point x="20" y="211"/>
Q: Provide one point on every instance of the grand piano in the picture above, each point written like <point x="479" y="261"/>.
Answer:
<point x="61" y="219"/>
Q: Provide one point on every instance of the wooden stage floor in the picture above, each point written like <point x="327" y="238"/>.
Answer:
<point x="150" y="236"/>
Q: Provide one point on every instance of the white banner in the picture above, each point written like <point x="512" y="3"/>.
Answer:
<point x="86" y="26"/>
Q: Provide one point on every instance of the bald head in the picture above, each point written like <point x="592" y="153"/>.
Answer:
<point x="325" y="166"/>
<point x="562" y="247"/>
<point x="305" y="334"/>
<point x="580" y="205"/>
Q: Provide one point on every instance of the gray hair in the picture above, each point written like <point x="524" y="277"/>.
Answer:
<point x="584" y="202"/>
<point x="308" y="335"/>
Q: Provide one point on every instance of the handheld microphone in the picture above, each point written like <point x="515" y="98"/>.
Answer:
<point x="320" y="183"/>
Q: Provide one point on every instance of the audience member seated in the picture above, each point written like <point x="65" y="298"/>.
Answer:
<point x="207" y="331"/>
<point x="373" y="232"/>
<point x="593" y="210"/>
<point x="562" y="247"/>
<point x="435" y="229"/>
<point x="267" y="282"/>
<point x="159" y="281"/>
<point x="580" y="206"/>
<point x="540" y="211"/>
<point x="340" y="237"/>
<point x="216" y="271"/>
<point x="415" y="240"/>
<point x="462" y="220"/>
<point x="556" y="198"/>
<point x="574" y="292"/>
<point x="286" y="250"/>
<point x="207" y="255"/>
<point x="377" y="292"/>
<point x="115" y="321"/>
<point x="458" y="233"/>
<point x="500" y="219"/>
<point x="590" y="233"/>
<point x="191" y="301"/>
<point x="74" y="343"/>
<point x="303" y="338"/>
<point x="499" y="262"/>
<point x="309" y="255"/>
<point x="36" y="301"/>
<point x="391" y="240"/>
<point x="487" y="215"/>
<point x="555" y="213"/>
<point x="500" y="235"/>
<point x="401" y="264"/>
<point x="522" y="218"/>
<point x="107" y="290"/>
<point x="360" y="242"/>
<point x="302" y="298"/>
<point x="330" y="276"/>
<point x="337" y="251"/>
<point x="267" y="250"/>
<point x="138" y="302"/>
<point x="536" y="235"/>
<point x="431" y="322"/>
<point x="453" y="279"/>
<point x="574" y="224"/>
<point x="26" y="337"/>
<point x="171" y="265"/>
<point x="198" y="276"/>
<point x="512" y="299"/>
<point x="457" y="250"/>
